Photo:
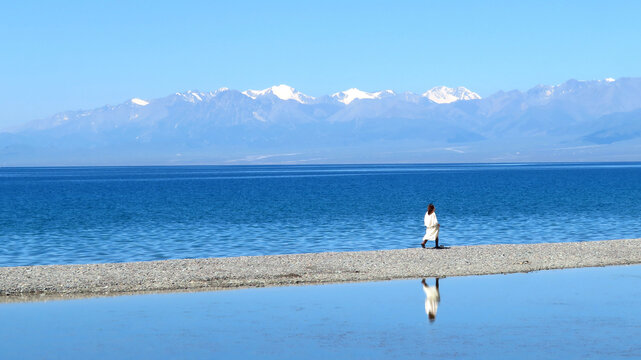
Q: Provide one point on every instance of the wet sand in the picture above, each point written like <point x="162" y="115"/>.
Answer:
<point x="30" y="283"/>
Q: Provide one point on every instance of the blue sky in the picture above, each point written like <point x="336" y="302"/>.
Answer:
<point x="84" y="54"/>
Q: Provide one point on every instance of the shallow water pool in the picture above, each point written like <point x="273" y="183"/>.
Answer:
<point x="561" y="314"/>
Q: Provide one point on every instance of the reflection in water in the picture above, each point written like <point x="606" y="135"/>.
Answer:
<point x="553" y="314"/>
<point x="432" y="298"/>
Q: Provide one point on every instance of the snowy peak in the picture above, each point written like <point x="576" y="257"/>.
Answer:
<point x="446" y="95"/>
<point x="282" y="92"/>
<point x="197" y="96"/>
<point x="352" y="94"/>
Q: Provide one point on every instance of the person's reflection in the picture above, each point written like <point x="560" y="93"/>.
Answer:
<point x="432" y="298"/>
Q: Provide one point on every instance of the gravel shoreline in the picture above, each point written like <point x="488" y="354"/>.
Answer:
<point x="31" y="283"/>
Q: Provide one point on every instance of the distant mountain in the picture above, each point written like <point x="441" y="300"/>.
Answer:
<point x="573" y="121"/>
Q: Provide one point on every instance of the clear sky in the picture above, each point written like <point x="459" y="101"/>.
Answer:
<point x="71" y="55"/>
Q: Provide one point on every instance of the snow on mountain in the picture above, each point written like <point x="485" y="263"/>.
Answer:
<point x="191" y="96"/>
<point x="542" y="92"/>
<point x="283" y="92"/>
<point x="140" y="102"/>
<point x="570" y="87"/>
<point x="352" y="94"/>
<point x="446" y="95"/>
<point x="197" y="96"/>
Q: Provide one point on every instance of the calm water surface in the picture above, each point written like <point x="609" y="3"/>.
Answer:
<point x="563" y="314"/>
<point x="115" y="214"/>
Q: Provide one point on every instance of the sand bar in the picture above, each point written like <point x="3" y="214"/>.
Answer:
<point x="29" y="283"/>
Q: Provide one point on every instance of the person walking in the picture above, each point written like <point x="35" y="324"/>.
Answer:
<point x="432" y="227"/>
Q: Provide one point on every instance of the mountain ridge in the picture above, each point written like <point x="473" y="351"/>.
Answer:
<point x="576" y="120"/>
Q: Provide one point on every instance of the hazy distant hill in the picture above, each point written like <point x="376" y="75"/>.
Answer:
<point x="573" y="121"/>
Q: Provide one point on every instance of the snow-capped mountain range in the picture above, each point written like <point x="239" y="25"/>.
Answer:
<point x="282" y="92"/>
<point x="572" y="121"/>
<point x="439" y="95"/>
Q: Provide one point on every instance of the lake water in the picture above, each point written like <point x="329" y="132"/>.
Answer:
<point x="590" y="313"/>
<point x="116" y="214"/>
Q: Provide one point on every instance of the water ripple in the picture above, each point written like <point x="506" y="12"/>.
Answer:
<point x="88" y="215"/>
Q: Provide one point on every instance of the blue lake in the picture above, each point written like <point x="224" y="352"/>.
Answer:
<point x="116" y="214"/>
<point x="590" y="313"/>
